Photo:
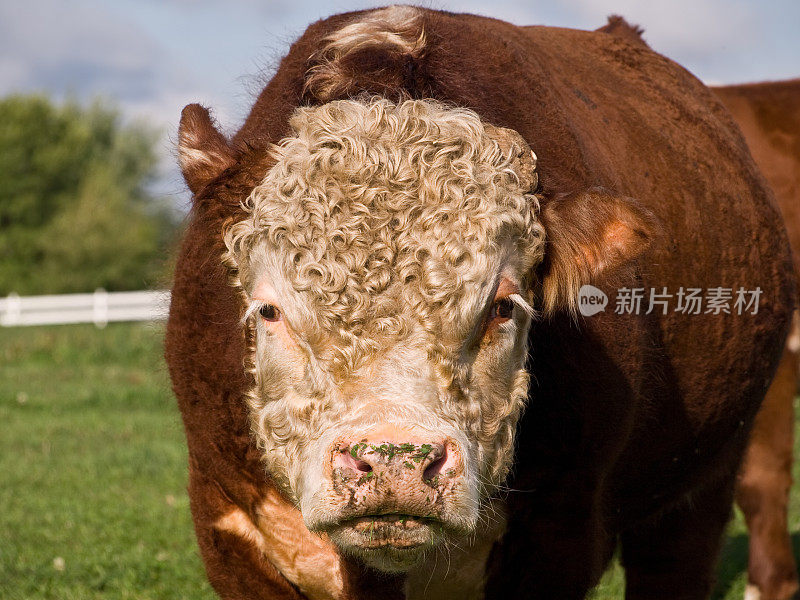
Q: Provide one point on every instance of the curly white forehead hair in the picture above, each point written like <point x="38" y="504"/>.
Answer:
<point x="382" y="217"/>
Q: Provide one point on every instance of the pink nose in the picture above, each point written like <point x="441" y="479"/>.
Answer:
<point x="399" y="455"/>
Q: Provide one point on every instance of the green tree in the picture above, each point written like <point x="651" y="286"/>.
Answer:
<point x="75" y="213"/>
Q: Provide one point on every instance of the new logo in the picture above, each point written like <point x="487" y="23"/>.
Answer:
<point x="591" y="300"/>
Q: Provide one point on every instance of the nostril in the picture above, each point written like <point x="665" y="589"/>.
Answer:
<point x="436" y="467"/>
<point x="347" y="460"/>
<point x="362" y="466"/>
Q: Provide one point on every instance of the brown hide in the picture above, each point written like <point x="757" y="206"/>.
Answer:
<point x="635" y="424"/>
<point x="769" y="116"/>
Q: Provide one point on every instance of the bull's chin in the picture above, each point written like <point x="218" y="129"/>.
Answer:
<point x="392" y="543"/>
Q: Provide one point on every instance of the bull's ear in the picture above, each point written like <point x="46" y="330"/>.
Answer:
<point x="590" y="234"/>
<point x="203" y="151"/>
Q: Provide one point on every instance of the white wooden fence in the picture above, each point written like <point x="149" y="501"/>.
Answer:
<point x="99" y="308"/>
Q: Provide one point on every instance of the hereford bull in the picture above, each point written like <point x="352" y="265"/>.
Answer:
<point x="769" y="116"/>
<point x="382" y="270"/>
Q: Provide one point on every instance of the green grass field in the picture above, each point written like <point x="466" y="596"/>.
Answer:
<point x="93" y="473"/>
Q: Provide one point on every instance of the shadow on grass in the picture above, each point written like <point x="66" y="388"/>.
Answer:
<point x="733" y="562"/>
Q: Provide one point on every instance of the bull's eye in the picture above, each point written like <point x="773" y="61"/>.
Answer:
<point x="502" y="309"/>
<point x="270" y="313"/>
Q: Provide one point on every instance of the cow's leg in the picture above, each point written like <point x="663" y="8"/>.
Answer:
<point x="555" y="546"/>
<point x="674" y="556"/>
<point x="560" y="563"/>
<point x="229" y="544"/>
<point x="763" y="489"/>
<point x="265" y="552"/>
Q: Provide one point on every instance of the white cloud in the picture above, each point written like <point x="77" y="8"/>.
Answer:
<point x="79" y="49"/>
<point x="44" y="37"/>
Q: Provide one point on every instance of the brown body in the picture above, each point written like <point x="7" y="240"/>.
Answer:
<point x="769" y="116"/>
<point x="635" y="424"/>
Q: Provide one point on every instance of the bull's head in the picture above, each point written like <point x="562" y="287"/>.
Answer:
<point x="389" y="260"/>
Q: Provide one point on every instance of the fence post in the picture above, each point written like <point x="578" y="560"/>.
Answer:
<point x="100" y="308"/>
<point x="13" y="310"/>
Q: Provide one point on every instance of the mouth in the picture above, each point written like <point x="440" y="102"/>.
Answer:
<point x="396" y="530"/>
<point x="388" y="542"/>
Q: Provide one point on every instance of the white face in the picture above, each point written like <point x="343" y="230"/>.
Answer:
<point x="308" y="417"/>
<point x="388" y="294"/>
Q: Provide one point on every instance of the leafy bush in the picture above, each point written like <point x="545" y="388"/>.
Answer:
<point x="75" y="213"/>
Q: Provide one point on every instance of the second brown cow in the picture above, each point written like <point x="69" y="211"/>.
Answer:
<point x="769" y="116"/>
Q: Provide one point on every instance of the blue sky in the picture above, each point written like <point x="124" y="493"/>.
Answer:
<point x="151" y="57"/>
